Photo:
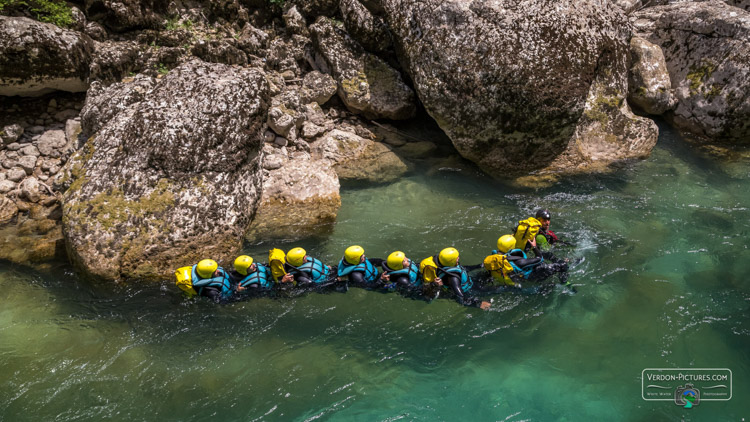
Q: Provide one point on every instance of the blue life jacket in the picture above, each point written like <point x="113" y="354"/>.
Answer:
<point x="366" y="268"/>
<point x="412" y="271"/>
<point x="460" y="271"/>
<point x="315" y="268"/>
<point x="525" y="271"/>
<point x="262" y="276"/>
<point x="221" y="282"/>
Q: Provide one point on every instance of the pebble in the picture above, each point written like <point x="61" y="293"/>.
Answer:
<point x="6" y="186"/>
<point x="15" y="174"/>
<point x="36" y="129"/>
<point x="15" y="146"/>
<point x="281" y="141"/>
<point x="28" y="163"/>
<point x="30" y="150"/>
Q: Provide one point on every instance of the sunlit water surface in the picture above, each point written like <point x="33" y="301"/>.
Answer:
<point x="663" y="284"/>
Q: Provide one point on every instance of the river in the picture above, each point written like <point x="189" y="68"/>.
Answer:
<point x="662" y="285"/>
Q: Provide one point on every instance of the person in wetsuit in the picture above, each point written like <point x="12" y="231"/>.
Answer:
<point x="359" y="270"/>
<point x="452" y="276"/>
<point x="400" y="272"/>
<point x="531" y="269"/>
<point x="211" y="281"/>
<point x="305" y="270"/>
<point x="249" y="277"/>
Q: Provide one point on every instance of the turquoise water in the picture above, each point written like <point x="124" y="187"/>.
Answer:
<point x="662" y="284"/>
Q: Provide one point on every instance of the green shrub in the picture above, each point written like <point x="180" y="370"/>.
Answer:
<point x="51" y="11"/>
<point x="162" y="69"/>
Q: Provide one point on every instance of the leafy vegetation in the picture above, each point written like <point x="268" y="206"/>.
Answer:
<point x="56" y="12"/>
<point x="162" y="69"/>
<point x="174" y="23"/>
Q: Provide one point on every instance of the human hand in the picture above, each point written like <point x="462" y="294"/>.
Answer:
<point x="438" y="282"/>
<point x="485" y="306"/>
<point x="288" y="278"/>
<point x="386" y="277"/>
<point x="532" y="241"/>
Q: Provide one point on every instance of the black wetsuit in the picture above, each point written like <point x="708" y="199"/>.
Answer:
<point x="357" y="278"/>
<point x="544" y="270"/>
<point x="453" y="282"/>
<point x="250" y="289"/>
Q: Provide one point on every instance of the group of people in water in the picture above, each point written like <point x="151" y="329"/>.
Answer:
<point x="507" y="267"/>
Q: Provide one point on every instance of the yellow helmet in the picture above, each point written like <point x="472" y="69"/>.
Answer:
<point x="296" y="256"/>
<point x="395" y="260"/>
<point x="353" y="254"/>
<point x="448" y="257"/>
<point x="506" y="243"/>
<point x="206" y="268"/>
<point x="242" y="263"/>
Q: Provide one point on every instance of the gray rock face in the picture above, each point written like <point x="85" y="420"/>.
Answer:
<point x="171" y="179"/>
<point x="369" y="30"/>
<point x="220" y="51"/>
<point x="300" y="197"/>
<point x="649" y="85"/>
<point x="357" y="159"/>
<point x="104" y="103"/>
<point x="317" y="87"/>
<point x="518" y="88"/>
<point x="127" y="14"/>
<point x="113" y="60"/>
<point x="706" y="46"/>
<point x="366" y="84"/>
<point x="37" y="58"/>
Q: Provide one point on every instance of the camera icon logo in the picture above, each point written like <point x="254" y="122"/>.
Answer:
<point x="687" y="396"/>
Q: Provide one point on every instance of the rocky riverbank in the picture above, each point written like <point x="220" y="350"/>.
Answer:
<point x="144" y="134"/>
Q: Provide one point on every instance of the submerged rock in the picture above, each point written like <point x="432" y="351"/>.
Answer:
<point x="37" y="58"/>
<point x="706" y="46"/>
<point x="170" y="179"/>
<point x="518" y="88"/>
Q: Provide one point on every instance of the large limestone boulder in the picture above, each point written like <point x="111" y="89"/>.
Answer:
<point x="649" y="85"/>
<point x="706" y="46"/>
<point x="114" y="60"/>
<point x="126" y="15"/>
<point x="300" y="198"/>
<point x="170" y="179"/>
<point x="366" y="84"/>
<point x="520" y="88"/>
<point x="103" y="103"/>
<point x="369" y="30"/>
<point x="37" y="58"/>
<point x="356" y="159"/>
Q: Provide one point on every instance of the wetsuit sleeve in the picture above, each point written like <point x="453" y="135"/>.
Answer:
<point x="455" y="285"/>
<point x="528" y="261"/>
<point x="377" y="262"/>
<point x="469" y="268"/>
<point x="302" y="280"/>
